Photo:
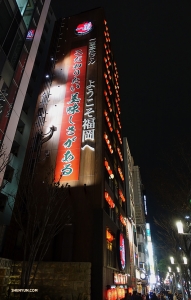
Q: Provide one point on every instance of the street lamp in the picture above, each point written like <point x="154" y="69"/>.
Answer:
<point x="172" y="260"/>
<point x="185" y="261"/>
<point x="180" y="228"/>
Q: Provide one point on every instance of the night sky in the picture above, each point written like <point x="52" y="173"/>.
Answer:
<point x="151" y="42"/>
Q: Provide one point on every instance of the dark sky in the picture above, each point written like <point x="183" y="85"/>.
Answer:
<point x="151" y="42"/>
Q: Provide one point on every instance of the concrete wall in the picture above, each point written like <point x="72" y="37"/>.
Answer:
<point x="58" y="280"/>
<point x="5" y="269"/>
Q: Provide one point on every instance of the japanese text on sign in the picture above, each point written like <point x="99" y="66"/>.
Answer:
<point x="89" y="116"/>
<point x="68" y="158"/>
<point x="92" y="52"/>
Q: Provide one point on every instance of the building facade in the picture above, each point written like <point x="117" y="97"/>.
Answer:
<point x="77" y="131"/>
<point x="131" y="223"/>
<point x="142" y="274"/>
<point x="26" y="28"/>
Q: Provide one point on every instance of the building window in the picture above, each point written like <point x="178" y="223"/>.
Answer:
<point x="111" y="183"/>
<point x="141" y="265"/>
<point x="21" y="126"/>
<point x="116" y="188"/>
<point x="117" y="216"/>
<point x="111" y="249"/>
<point x="140" y="248"/>
<point x="25" y="108"/>
<point x="5" y="20"/>
<point x="15" y="148"/>
<point x="8" y="173"/>
<point x="3" y="200"/>
<point x="19" y="239"/>
<point x="16" y="49"/>
<point x="46" y="28"/>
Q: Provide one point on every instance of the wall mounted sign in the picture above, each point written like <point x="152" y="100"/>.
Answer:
<point x="88" y="125"/>
<point x="84" y="28"/>
<point x="120" y="278"/>
<point x="68" y="157"/>
<point x="30" y="34"/>
<point x="121" y="250"/>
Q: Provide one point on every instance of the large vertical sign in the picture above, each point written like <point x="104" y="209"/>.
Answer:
<point x="88" y="133"/>
<point x="121" y="250"/>
<point x="68" y="157"/>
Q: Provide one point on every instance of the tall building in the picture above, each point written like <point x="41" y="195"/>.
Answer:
<point x="131" y="220"/>
<point x="140" y="206"/>
<point x="78" y="130"/>
<point x="26" y="29"/>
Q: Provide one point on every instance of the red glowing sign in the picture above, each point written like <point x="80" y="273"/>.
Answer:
<point x="122" y="251"/>
<point x="84" y="28"/>
<point x="68" y="156"/>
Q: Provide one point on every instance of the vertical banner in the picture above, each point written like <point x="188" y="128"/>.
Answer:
<point x="68" y="156"/>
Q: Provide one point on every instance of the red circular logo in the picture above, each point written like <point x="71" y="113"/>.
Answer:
<point x="84" y="28"/>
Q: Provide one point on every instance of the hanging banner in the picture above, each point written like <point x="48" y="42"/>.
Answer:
<point x="68" y="156"/>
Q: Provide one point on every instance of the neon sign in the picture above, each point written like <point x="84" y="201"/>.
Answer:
<point x="30" y="34"/>
<point x="120" y="278"/>
<point x="121" y="251"/>
<point x="68" y="156"/>
<point x="84" y="28"/>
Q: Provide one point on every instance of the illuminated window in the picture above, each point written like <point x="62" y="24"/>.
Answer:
<point x="111" y="249"/>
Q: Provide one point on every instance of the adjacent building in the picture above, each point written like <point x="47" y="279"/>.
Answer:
<point x="26" y="29"/>
<point x="131" y="219"/>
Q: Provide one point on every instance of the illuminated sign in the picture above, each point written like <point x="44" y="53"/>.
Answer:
<point x="92" y="52"/>
<point x="88" y="131"/>
<point x="121" y="251"/>
<point x="89" y="118"/>
<point x="120" y="278"/>
<point x="84" y="28"/>
<point x="68" y="156"/>
<point x="143" y="276"/>
<point x="30" y="34"/>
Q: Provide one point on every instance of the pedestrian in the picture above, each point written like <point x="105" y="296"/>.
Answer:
<point x="154" y="297"/>
<point x="175" y="296"/>
<point x="143" y="297"/>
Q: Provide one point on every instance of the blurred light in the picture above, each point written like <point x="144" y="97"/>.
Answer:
<point x="172" y="260"/>
<point x="187" y="217"/>
<point x="178" y="269"/>
<point x="185" y="260"/>
<point x="179" y="227"/>
<point x="169" y="268"/>
<point x="47" y="76"/>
